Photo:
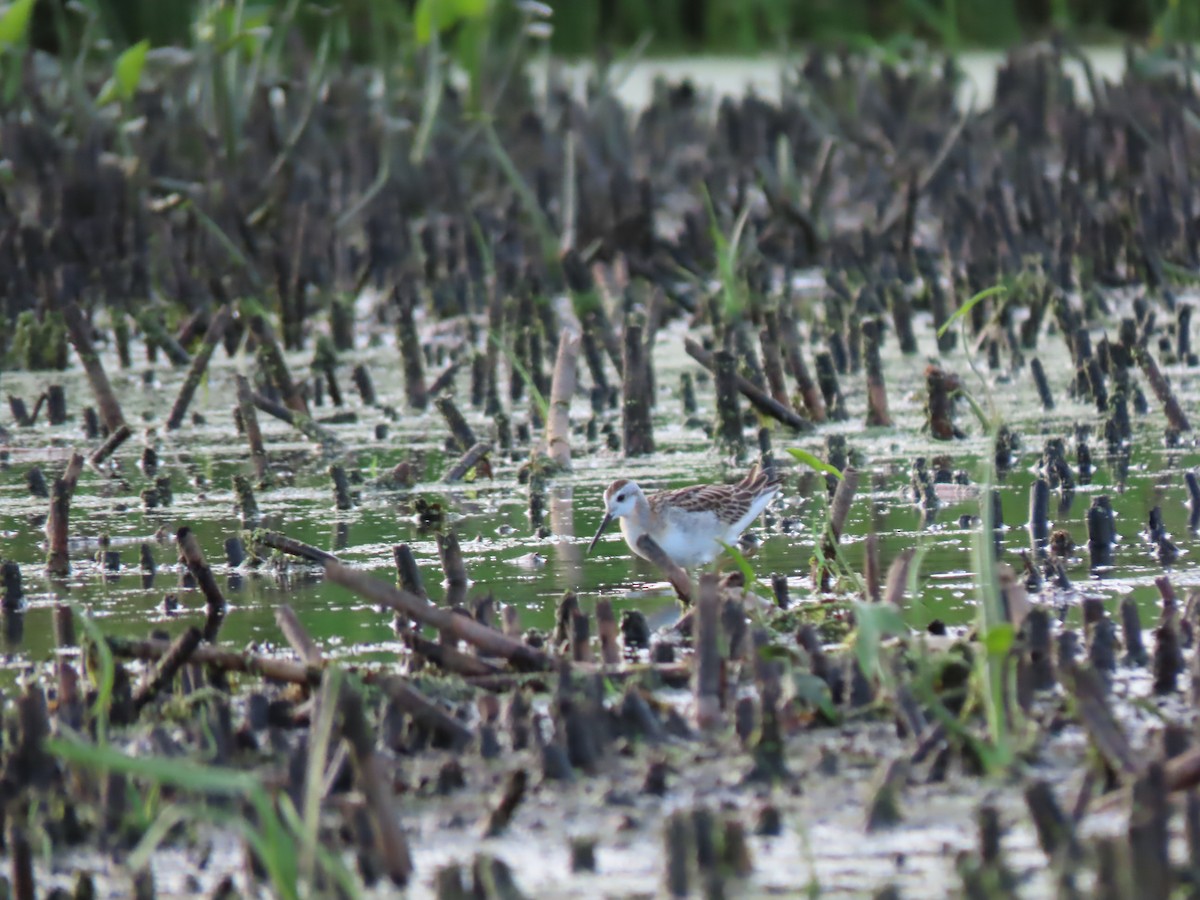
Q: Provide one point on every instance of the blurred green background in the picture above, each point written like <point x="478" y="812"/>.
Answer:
<point x="677" y="26"/>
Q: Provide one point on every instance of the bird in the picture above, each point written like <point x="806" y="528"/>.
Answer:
<point x="692" y="524"/>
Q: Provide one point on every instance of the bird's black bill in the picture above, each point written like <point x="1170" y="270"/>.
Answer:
<point x="599" y="531"/>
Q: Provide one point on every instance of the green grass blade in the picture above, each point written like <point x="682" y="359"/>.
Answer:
<point x="969" y="305"/>
<point x="542" y="405"/>
<point x="108" y="672"/>
<point x="814" y="463"/>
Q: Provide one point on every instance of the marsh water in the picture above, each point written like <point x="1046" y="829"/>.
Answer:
<point x="504" y="555"/>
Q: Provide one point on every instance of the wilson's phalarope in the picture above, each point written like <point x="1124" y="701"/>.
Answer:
<point x="690" y="524"/>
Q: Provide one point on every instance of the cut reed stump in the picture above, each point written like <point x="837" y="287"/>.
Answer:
<point x="707" y="687"/>
<point x="562" y="389"/>
<point x="637" y="427"/>
<point x="877" y="405"/>
<point x="58" y="558"/>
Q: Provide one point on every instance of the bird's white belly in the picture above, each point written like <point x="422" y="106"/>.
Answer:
<point x="686" y="546"/>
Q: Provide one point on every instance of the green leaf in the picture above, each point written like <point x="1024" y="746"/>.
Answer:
<point x="814" y="463"/>
<point x="127" y="74"/>
<point x="999" y="638"/>
<point x="875" y="621"/>
<point x="814" y="691"/>
<point x="970" y="304"/>
<point x="444" y="14"/>
<point x="14" y="23"/>
<point x="128" y="69"/>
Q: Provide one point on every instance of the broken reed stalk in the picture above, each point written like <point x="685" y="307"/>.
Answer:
<point x="707" y="688"/>
<point x="490" y="641"/>
<point x="759" y="399"/>
<point x="460" y="431"/>
<point x="447" y="657"/>
<point x="270" y="356"/>
<point x="58" y="556"/>
<point x="300" y="421"/>
<point x="212" y="336"/>
<point x="1158" y="382"/>
<point x="192" y="556"/>
<point x="768" y="341"/>
<point x="675" y="575"/>
<point x="562" y="389"/>
<point x="106" y="400"/>
<point x="376" y="788"/>
<point x="298" y="637"/>
<point x="109" y="447"/>
<point x="178" y="653"/>
<point x="810" y="392"/>
<point x="258" y="451"/>
<point x="287" y="671"/>
<point x="637" y="427"/>
<point x="293" y="547"/>
<point x="467" y="462"/>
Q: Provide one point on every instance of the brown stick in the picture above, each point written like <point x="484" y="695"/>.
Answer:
<point x="258" y="452"/>
<point x="761" y="401"/>
<point x="216" y="329"/>
<point x="106" y="400"/>
<point x="488" y="640"/>
<point x="562" y="389"/>
<point x="677" y="576"/>
<point x="298" y="637"/>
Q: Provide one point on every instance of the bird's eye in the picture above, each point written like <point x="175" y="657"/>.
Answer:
<point x="620" y="498"/>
